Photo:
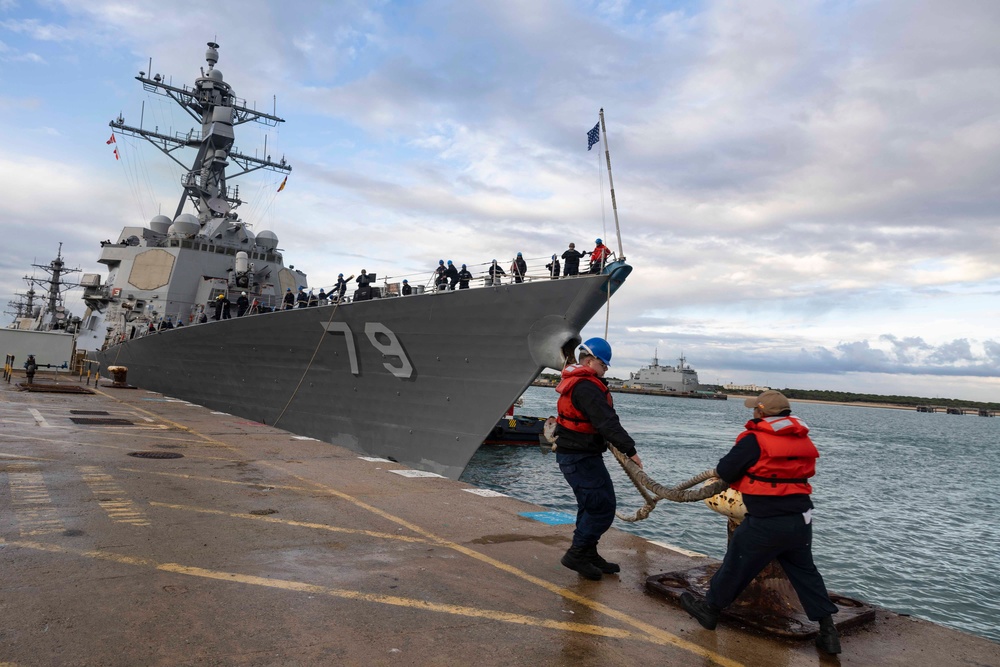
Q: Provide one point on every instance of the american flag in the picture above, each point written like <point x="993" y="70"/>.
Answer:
<point x="593" y="136"/>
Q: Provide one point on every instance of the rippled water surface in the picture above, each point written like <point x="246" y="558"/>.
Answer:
<point x="906" y="503"/>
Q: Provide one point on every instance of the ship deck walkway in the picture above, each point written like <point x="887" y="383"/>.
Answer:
<point x="252" y="546"/>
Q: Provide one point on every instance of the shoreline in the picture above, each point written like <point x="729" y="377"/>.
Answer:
<point x="857" y="404"/>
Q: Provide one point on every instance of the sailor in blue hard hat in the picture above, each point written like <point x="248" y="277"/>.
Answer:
<point x="495" y="271"/>
<point x="587" y="422"/>
<point x="406" y="289"/>
<point x="440" y="276"/>
<point x="518" y="269"/>
<point x="599" y="256"/>
<point x="452" y="273"/>
<point x="553" y="267"/>
<point x="464" y="276"/>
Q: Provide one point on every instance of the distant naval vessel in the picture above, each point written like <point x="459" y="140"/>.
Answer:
<point x="680" y="378"/>
<point x="419" y="379"/>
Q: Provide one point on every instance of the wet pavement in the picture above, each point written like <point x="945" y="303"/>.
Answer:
<point x="257" y="547"/>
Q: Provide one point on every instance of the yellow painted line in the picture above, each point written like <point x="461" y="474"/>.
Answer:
<point x="5" y="455"/>
<point x="375" y="598"/>
<point x="32" y="505"/>
<point x="291" y="522"/>
<point x="199" y="478"/>
<point x="661" y="636"/>
<point x="653" y="632"/>
<point x="112" y="498"/>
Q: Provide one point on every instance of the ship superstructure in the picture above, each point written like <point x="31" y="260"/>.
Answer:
<point x="418" y="379"/>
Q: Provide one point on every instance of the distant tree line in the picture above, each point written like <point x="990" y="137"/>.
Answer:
<point x="850" y="397"/>
<point x="908" y="401"/>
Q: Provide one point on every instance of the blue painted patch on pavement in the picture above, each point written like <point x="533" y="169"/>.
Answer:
<point x="551" y="518"/>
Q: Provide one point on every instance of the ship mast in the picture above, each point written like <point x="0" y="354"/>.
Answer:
<point x="611" y="183"/>
<point x="54" y="285"/>
<point x="212" y="103"/>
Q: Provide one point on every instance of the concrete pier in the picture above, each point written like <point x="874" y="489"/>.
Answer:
<point x="256" y="547"/>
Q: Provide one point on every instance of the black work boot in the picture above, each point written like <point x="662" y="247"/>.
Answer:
<point x="702" y="611"/>
<point x="598" y="560"/>
<point x="578" y="559"/>
<point x="828" y="640"/>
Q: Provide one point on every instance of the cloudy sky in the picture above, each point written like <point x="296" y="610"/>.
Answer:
<point x="809" y="191"/>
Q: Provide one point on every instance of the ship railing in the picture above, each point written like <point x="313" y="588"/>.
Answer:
<point x="422" y="283"/>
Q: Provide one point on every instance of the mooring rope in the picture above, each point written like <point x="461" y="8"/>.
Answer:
<point x="653" y="492"/>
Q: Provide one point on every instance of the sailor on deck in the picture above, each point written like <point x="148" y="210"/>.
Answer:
<point x="341" y="287"/>
<point x="518" y="269"/>
<point x="289" y="299"/>
<point x="571" y="260"/>
<point x="242" y="304"/>
<point x="464" y="276"/>
<point x="599" y="256"/>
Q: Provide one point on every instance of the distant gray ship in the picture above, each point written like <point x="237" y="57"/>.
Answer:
<point x="418" y="379"/>
<point x="680" y="378"/>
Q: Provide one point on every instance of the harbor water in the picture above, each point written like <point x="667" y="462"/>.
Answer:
<point x="906" y="503"/>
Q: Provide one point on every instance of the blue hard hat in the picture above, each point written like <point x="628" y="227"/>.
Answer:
<point x="553" y="256"/>
<point x="597" y="347"/>
<point x="598" y="241"/>
<point x="288" y="289"/>
<point x="463" y="266"/>
<point x="405" y="280"/>
<point x="440" y="261"/>
<point x="449" y="262"/>
<point x="340" y="275"/>
<point x="518" y="254"/>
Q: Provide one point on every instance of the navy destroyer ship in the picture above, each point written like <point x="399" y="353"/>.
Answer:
<point x="387" y="377"/>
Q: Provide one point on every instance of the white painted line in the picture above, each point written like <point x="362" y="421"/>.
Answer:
<point x="486" y="493"/>
<point x="683" y="552"/>
<point x="415" y="473"/>
<point x="39" y="419"/>
<point x="220" y="413"/>
<point x="374" y="459"/>
<point x="303" y="437"/>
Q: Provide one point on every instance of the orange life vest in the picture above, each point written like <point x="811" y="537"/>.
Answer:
<point x="787" y="458"/>
<point x="568" y="416"/>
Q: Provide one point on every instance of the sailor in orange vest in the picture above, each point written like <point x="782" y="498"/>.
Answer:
<point x="587" y="421"/>
<point x="770" y="464"/>
<point x="599" y="256"/>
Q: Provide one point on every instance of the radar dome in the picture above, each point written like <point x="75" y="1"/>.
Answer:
<point x="214" y="75"/>
<point x="184" y="225"/>
<point x="160" y="224"/>
<point x="267" y="239"/>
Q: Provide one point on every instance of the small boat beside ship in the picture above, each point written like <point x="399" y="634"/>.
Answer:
<point x="385" y="376"/>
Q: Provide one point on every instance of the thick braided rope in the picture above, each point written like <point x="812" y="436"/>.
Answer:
<point x="653" y="492"/>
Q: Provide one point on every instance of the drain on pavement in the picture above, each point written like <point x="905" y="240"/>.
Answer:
<point x="101" y="421"/>
<point x="156" y="455"/>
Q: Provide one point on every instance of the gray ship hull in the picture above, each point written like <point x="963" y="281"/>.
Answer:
<point x="421" y="379"/>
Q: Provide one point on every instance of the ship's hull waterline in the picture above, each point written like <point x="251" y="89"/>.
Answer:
<point x="421" y="380"/>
